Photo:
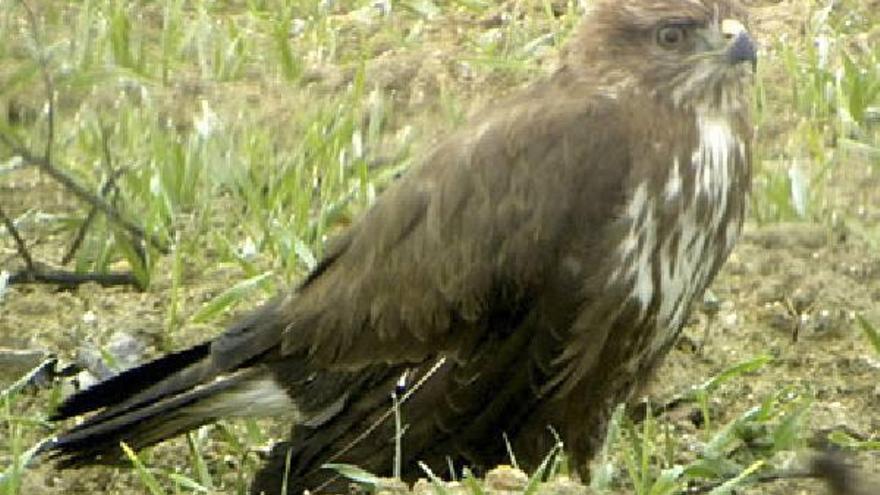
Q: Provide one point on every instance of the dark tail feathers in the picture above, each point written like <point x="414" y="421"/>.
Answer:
<point x="97" y="440"/>
<point x="175" y="393"/>
<point x="129" y="383"/>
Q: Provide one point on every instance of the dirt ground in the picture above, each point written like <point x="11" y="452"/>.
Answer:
<point x="809" y="278"/>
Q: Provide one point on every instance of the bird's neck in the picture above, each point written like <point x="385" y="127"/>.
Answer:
<point x="612" y="83"/>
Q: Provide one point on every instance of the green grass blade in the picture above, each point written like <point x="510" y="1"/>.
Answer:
<point x="197" y="460"/>
<point x="146" y="477"/>
<point x="734" y="371"/>
<point x="436" y="482"/>
<point x="354" y="473"/>
<point x="870" y="332"/>
<point x="230" y="296"/>
<point x="538" y="476"/>
<point x="728" y="487"/>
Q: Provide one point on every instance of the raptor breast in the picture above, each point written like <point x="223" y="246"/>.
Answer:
<point x="679" y="232"/>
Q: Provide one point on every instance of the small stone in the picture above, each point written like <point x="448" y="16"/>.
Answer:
<point x="391" y="486"/>
<point x="89" y="317"/>
<point x="729" y="321"/>
<point x="563" y="485"/>
<point x="423" y="487"/>
<point x="127" y="349"/>
<point x="506" y="478"/>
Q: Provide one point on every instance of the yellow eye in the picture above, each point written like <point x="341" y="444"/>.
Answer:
<point x="671" y="36"/>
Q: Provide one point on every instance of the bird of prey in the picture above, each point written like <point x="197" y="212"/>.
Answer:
<point x="527" y="276"/>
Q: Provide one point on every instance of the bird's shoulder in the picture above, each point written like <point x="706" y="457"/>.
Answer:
<point x="486" y="206"/>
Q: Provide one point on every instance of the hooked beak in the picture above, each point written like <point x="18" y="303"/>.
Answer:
<point x="741" y="47"/>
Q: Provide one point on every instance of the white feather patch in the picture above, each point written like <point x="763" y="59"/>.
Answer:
<point x="684" y="253"/>
<point x="257" y="397"/>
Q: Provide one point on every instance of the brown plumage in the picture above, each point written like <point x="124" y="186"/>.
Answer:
<point x="539" y="263"/>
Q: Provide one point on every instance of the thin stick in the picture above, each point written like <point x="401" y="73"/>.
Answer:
<point x="72" y="279"/>
<point x="93" y="212"/>
<point x="105" y="188"/>
<point x="398" y="435"/>
<point x="19" y="242"/>
<point x="763" y="478"/>
<point x="389" y="412"/>
<point x="47" y="79"/>
<point x="45" y="163"/>
<point x="360" y="438"/>
<point x="70" y="183"/>
<point x="46" y="366"/>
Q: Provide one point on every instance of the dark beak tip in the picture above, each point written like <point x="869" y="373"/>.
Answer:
<point x="743" y="49"/>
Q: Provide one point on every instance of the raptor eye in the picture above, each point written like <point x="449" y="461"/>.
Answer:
<point x="671" y="36"/>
